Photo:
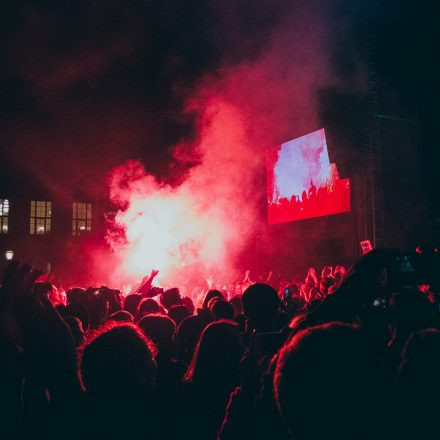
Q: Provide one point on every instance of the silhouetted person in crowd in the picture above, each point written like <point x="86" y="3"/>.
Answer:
<point x="118" y="372"/>
<point x="209" y="295"/>
<point x="409" y="311"/>
<point x="262" y="339"/>
<point x="131" y="303"/>
<point x="79" y="311"/>
<point x="222" y="310"/>
<point x="260" y="306"/>
<point x="76" y="295"/>
<point x="304" y="197"/>
<point x="214" y="300"/>
<point x="210" y="378"/>
<point x="170" y="298"/>
<point x="98" y="307"/>
<point x="188" y="303"/>
<point x="113" y="298"/>
<point x="188" y="333"/>
<point x="161" y="330"/>
<point x="147" y="306"/>
<point x="312" y="189"/>
<point x="121" y="316"/>
<point x="178" y="313"/>
<point x="329" y="384"/>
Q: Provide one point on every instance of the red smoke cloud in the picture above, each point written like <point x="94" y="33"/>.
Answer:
<point x="241" y="110"/>
<point x="205" y="221"/>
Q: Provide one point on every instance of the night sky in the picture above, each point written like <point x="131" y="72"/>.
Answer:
<point x="86" y="85"/>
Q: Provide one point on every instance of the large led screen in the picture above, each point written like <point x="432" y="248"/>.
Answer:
<point x="301" y="181"/>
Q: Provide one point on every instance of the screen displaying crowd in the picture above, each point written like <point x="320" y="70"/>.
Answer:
<point x="341" y="354"/>
<point x="301" y="181"/>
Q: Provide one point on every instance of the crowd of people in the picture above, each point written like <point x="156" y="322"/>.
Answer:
<point x="343" y="354"/>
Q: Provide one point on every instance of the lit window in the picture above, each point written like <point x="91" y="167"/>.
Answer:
<point x="41" y="217"/>
<point x="82" y="218"/>
<point x="4" y="216"/>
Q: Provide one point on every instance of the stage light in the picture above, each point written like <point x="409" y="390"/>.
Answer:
<point x="9" y="255"/>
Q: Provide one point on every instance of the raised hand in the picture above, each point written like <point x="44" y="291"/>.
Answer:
<point x="327" y="271"/>
<point x="145" y="286"/>
<point x="246" y="276"/>
<point x="313" y="276"/>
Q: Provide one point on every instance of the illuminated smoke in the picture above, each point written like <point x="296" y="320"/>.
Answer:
<point x="241" y="110"/>
<point x="205" y="221"/>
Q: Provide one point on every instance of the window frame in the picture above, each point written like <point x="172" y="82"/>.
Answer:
<point x="81" y="218"/>
<point x="5" y="207"/>
<point x="40" y="218"/>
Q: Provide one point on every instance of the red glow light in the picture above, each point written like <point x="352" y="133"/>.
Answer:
<point x="202" y="223"/>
